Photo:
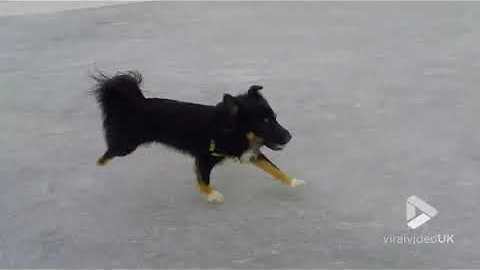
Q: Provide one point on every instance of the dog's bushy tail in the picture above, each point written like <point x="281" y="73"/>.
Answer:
<point x="120" y="99"/>
<point x="120" y="93"/>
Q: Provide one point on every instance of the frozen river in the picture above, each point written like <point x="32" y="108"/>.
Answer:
<point x="382" y="99"/>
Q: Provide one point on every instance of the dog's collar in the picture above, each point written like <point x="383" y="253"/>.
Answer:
<point x="212" y="148"/>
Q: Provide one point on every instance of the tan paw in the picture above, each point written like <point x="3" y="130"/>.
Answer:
<point x="215" y="197"/>
<point x="102" y="161"/>
<point x="296" y="182"/>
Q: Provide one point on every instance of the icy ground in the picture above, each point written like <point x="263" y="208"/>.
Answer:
<point x="383" y="101"/>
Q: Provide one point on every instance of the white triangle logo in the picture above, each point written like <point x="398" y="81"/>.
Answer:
<point x="427" y="212"/>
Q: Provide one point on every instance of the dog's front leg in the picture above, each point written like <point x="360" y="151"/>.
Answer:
<point x="203" y="167"/>
<point x="262" y="162"/>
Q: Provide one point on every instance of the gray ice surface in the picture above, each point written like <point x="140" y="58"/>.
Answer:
<point x="13" y="8"/>
<point x="383" y="101"/>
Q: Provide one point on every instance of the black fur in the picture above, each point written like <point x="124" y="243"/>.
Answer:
<point x="130" y="119"/>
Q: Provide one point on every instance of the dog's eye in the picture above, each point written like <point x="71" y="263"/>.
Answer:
<point x="266" y="120"/>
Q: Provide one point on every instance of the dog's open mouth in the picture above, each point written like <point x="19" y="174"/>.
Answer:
<point x="274" y="146"/>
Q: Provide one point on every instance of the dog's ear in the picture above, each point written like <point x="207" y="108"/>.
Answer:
<point x="253" y="90"/>
<point x="230" y="104"/>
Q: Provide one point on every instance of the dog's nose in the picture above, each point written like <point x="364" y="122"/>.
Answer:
<point x="287" y="137"/>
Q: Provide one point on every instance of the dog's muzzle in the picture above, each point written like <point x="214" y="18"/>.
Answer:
<point x="282" y="144"/>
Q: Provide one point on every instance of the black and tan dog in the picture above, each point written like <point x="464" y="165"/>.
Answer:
<point x="237" y="127"/>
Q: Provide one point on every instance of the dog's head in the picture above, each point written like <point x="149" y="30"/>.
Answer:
<point x="250" y="113"/>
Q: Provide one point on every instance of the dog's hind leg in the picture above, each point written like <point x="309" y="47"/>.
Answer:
<point x="105" y="158"/>
<point x="116" y="150"/>
<point x="262" y="162"/>
<point x="203" y="168"/>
